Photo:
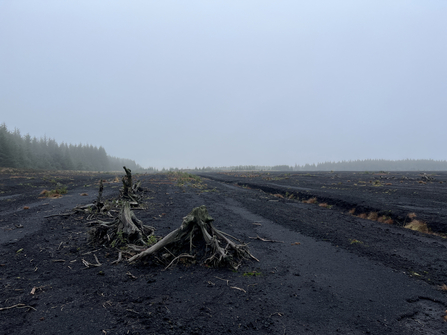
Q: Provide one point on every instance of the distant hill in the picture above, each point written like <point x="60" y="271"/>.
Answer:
<point x="17" y="151"/>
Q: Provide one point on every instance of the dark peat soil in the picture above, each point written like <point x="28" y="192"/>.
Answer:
<point x="322" y="270"/>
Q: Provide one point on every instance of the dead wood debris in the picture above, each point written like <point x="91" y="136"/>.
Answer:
<point x="120" y="257"/>
<point x="125" y="229"/>
<point x="198" y="237"/>
<point x="178" y="257"/>
<point x="89" y="265"/>
<point x="264" y="239"/>
<point x="131" y="275"/>
<point x="17" y="306"/>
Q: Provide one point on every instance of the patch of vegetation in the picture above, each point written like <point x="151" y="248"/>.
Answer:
<point x="56" y="193"/>
<point x="28" y="184"/>
<point x="311" y="201"/>
<point x="373" y="216"/>
<point x="119" y="240"/>
<point x="183" y="179"/>
<point x="385" y="219"/>
<point x="151" y="240"/>
<point x="252" y="274"/>
<point x="377" y="183"/>
<point x="325" y="205"/>
<point x="419" y="226"/>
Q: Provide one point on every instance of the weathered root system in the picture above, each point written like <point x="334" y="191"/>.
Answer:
<point x="198" y="238"/>
<point x="125" y="229"/>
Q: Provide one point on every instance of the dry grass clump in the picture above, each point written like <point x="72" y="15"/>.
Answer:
<point x="352" y="211"/>
<point x="310" y="201"/>
<point x="419" y="226"/>
<point x="372" y="216"/>
<point x="53" y="194"/>
<point x="323" y="204"/>
<point x="411" y="215"/>
<point x="278" y="196"/>
<point x="443" y="287"/>
<point x="385" y="219"/>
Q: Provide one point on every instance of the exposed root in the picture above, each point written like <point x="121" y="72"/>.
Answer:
<point x="265" y="240"/>
<point x="17" y="306"/>
<point x="126" y="228"/>
<point x="197" y="230"/>
<point x="89" y="265"/>
<point x="120" y="257"/>
<point x="178" y="257"/>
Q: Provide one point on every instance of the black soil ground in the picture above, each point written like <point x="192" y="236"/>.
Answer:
<point x="323" y="267"/>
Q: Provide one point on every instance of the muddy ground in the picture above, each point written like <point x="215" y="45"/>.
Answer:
<point x="328" y="270"/>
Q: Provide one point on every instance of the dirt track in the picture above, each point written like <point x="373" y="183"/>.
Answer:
<point x="328" y="271"/>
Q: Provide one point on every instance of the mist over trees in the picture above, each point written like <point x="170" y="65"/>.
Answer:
<point x="17" y="151"/>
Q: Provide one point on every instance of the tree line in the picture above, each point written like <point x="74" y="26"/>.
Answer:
<point x="17" y="151"/>
<point x="356" y="165"/>
<point x="377" y="165"/>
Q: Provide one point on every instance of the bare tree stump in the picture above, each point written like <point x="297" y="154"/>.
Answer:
<point x="125" y="229"/>
<point x="99" y="202"/>
<point x="197" y="230"/>
<point x="129" y="191"/>
<point x="127" y="183"/>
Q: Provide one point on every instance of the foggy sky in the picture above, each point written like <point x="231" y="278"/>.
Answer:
<point x="214" y="83"/>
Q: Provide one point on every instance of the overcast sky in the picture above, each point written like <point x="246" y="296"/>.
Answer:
<point x="219" y="83"/>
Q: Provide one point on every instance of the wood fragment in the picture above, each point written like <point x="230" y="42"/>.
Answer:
<point x="120" y="257"/>
<point x="131" y="275"/>
<point x="264" y="239"/>
<point x="88" y="264"/>
<point x="227" y="280"/>
<point x="277" y="313"/>
<point x="131" y="310"/>
<point x="177" y="258"/>
<point x="89" y="252"/>
<point x="17" y="306"/>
